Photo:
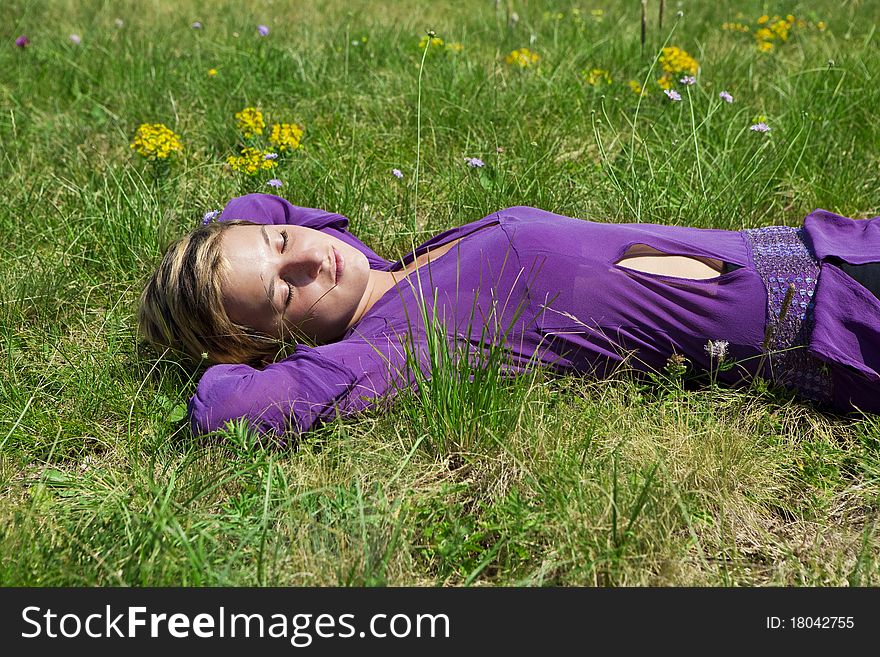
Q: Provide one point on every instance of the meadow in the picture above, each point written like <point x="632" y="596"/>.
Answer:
<point x="536" y="481"/>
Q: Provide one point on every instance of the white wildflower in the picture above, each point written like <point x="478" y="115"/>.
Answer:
<point x="717" y="349"/>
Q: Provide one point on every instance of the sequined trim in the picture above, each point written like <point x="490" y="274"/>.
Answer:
<point x="785" y="263"/>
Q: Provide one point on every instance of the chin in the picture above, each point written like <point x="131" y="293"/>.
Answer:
<point x="357" y="273"/>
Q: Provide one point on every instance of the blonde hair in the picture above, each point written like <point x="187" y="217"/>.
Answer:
<point x="181" y="306"/>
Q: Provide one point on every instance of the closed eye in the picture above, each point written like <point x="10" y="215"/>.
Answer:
<point x="285" y="238"/>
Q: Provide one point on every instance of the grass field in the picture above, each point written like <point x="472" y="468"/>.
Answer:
<point x="561" y="481"/>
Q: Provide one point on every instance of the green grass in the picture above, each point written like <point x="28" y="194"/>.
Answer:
<point x="536" y="481"/>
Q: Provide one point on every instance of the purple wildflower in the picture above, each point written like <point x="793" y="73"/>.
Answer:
<point x="673" y="94"/>
<point x="760" y="127"/>
<point x="726" y="97"/>
<point x="22" y="41"/>
<point x="274" y="183"/>
<point x="270" y="156"/>
<point x="197" y="25"/>
<point x="209" y="217"/>
<point x="75" y="39"/>
<point x="263" y="30"/>
<point x="688" y="80"/>
<point x="474" y="162"/>
<point x="397" y="173"/>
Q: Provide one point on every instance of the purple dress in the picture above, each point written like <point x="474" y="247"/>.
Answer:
<point x="552" y="290"/>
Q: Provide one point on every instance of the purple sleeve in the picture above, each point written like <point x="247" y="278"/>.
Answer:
<point x="294" y="394"/>
<point x="855" y="241"/>
<point x="312" y="386"/>
<point x="271" y="209"/>
<point x="846" y="326"/>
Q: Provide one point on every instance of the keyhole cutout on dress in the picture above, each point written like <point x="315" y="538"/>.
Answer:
<point x="649" y="260"/>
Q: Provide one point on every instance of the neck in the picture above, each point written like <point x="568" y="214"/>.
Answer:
<point x="378" y="284"/>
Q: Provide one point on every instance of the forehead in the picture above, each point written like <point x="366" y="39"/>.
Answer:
<point x="243" y="255"/>
<point x="245" y="278"/>
<point x="242" y="238"/>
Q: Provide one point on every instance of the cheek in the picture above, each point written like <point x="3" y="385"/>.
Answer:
<point x="358" y="269"/>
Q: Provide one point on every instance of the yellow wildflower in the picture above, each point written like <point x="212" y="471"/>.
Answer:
<point x="251" y="161"/>
<point x="821" y="26"/>
<point x="763" y="19"/>
<point x="250" y="121"/>
<point x="212" y="72"/>
<point x="523" y="57"/>
<point x="735" y="27"/>
<point x="596" y="76"/>
<point x="780" y="29"/>
<point x="635" y="86"/>
<point x="764" y="34"/>
<point x="597" y="14"/>
<point x="454" y="47"/>
<point x="789" y="18"/>
<point x="155" y="141"/>
<point x="674" y="60"/>
<point x="286" y="136"/>
<point x="765" y="46"/>
<point x="434" y="41"/>
<point x="665" y="81"/>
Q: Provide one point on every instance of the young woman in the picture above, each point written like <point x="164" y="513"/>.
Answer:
<point x="792" y="304"/>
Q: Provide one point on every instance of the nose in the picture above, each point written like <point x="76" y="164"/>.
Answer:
<point x="301" y="266"/>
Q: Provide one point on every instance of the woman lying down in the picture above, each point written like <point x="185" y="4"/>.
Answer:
<point x="797" y="306"/>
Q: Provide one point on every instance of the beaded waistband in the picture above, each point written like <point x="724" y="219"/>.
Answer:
<point x="790" y="273"/>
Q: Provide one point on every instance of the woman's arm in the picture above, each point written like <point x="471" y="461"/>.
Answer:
<point x="271" y="209"/>
<point x="312" y="386"/>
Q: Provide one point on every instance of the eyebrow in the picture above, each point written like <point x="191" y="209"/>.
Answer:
<point x="272" y="282"/>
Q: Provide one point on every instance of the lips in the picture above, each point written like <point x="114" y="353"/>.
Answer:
<point x="339" y="263"/>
